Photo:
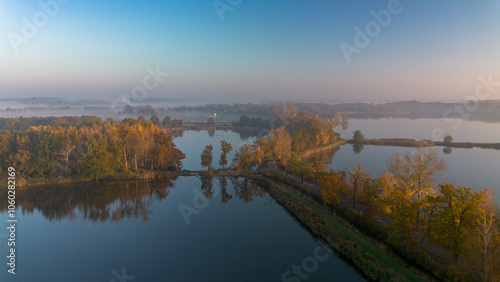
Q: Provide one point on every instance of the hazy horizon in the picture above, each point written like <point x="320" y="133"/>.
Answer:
<point x="249" y="51"/>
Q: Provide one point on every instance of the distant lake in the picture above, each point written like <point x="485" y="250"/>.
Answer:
<point x="460" y="130"/>
<point x="96" y="231"/>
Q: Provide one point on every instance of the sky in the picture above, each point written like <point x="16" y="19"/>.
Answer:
<point x="249" y="51"/>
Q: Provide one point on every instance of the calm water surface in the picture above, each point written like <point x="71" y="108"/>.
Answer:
<point x="93" y="232"/>
<point x="461" y="130"/>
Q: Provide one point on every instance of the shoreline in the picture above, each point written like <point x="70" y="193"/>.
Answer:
<point x="413" y="143"/>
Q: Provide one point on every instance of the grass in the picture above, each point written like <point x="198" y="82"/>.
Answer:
<point x="372" y="261"/>
<point x="365" y="245"/>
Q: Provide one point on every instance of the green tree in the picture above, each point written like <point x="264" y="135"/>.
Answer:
<point x="358" y="136"/>
<point x="155" y="120"/>
<point x="47" y="157"/>
<point x="225" y="148"/>
<point x="207" y="157"/>
<point x="96" y="163"/>
<point x="458" y="210"/>
<point x="448" y="139"/>
<point x="167" y="121"/>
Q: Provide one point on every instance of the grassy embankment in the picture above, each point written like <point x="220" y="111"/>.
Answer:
<point x="371" y="260"/>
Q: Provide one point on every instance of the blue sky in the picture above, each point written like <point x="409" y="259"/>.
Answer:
<point x="261" y="50"/>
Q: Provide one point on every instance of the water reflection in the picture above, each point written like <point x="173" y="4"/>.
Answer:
<point x="323" y="157"/>
<point x="116" y="200"/>
<point x="447" y="150"/>
<point x="113" y="200"/>
<point x="357" y="148"/>
<point x="246" y="190"/>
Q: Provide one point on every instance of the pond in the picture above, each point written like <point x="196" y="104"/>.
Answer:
<point x="229" y="230"/>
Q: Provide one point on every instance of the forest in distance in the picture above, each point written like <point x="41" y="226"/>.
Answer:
<point x="404" y="209"/>
<point x="487" y="111"/>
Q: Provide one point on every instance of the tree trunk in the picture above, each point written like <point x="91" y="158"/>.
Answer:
<point x="125" y="158"/>
<point x="135" y="160"/>
<point x="417" y="222"/>
<point x="354" y="196"/>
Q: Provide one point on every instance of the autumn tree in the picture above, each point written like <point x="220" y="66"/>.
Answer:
<point x="357" y="178"/>
<point x="244" y="157"/>
<point x="299" y="167"/>
<point x="415" y="175"/>
<point x="373" y="193"/>
<point x="280" y="144"/>
<point x="207" y="156"/>
<point x="482" y="249"/>
<point x="332" y="183"/>
<point x="225" y="148"/>
<point x="458" y="212"/>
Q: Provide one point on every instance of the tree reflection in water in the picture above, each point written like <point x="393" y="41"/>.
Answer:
<point x="116" y="200"/>
<point x="112" y="200"/>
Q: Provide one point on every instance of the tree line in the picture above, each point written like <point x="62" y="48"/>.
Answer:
<point x="283" y="145"/>
<point x="458" y="219"/>
<point x="93" y="151"/>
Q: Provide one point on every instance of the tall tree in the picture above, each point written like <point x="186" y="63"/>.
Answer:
<point x="332" y="184"/>
<point x="415" y="174"/>
<point x="225" y="148"/>
<point x="358" y="136"/>
<point x="244" y="157"/>
<point x="280" y="144"/>
<point x="155" y="119"/>
<point x="482" y="253"/>
<point x="96" y="163"/>
<point x="357" y="178"/>
<point x="167" y="121"/>
<point x="458" y="211"/>
<point x="206" y="157"/>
